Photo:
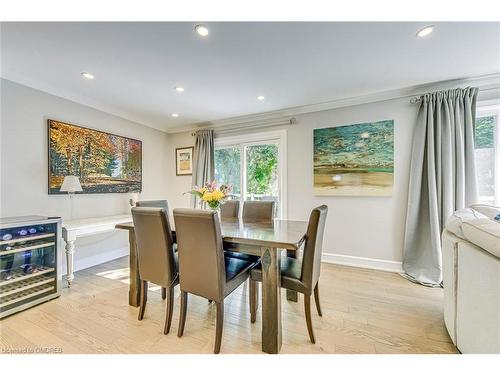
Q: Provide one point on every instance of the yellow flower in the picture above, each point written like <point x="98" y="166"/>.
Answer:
<point x="208" y="196"/>
<point x="218" y="195"/>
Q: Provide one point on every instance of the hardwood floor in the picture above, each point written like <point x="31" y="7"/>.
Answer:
<point x="364" y="311"/>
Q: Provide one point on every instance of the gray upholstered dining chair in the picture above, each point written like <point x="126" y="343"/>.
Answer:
<point x="203" y="268"/>
<point x="253" y="211"/>
<point x="230" y="209"/>
<point x="257" y="211"/>
<point x="161" y="203"/>
<point x="156" y="257"/>
<point x="155" y="203"/>
<point x="301" y="276"/>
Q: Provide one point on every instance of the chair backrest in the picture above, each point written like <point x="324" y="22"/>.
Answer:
<point x="258" y="211"/>
<point x="154" y="241"/>
<point x="311" y="259"/>
<point x="201" y="253"/>
<point x="230" y="209"/>
<point x="156" y="203"/>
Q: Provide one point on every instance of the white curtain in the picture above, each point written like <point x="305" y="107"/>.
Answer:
<point x="442" y="178"/>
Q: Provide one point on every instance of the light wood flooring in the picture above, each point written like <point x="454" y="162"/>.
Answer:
<point x="364" y="311"/>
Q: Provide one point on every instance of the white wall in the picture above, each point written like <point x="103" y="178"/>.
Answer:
<point x="366" y="227"/>
<point x="177" y="185"/>
<point x="24" y="165"/>
<point x="360" y="227"/>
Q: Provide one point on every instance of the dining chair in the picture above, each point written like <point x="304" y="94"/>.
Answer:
<point x="157" y="260"/>
<point x="203" y="268"/>
<point x="155" y="203"/>
<point x="301" y="276"/>
<point x="230" y="209"/>
<point x="159" y="204"/>
<point x="253" y="211"/>
<point x="257" y="211"/>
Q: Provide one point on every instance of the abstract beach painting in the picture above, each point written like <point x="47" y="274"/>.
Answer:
<point x="354" y="160"/>
<point x="104" y="162"/>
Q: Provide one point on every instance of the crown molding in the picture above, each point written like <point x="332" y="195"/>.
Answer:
<point x="484" y="82"/>
<point x="80" y="100"/>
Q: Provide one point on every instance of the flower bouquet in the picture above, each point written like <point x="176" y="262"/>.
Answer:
<point x="211" y="194"/>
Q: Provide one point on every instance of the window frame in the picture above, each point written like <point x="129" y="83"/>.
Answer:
<point x="493" y="110"/>
<point x="240" y="141"/>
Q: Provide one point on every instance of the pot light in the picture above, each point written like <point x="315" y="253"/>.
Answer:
<point x="425" y="31"/>
<point x="175" y="115"/>
<point x="87" y="75"/>
<point x="260" y="97"/>
<point x="179" y="89"/>
<point x="201" y="30"/>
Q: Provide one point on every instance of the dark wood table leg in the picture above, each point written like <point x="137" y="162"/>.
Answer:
<point x="134" y="288"/>
<point x="292" y="295"/>
<point x="271" y="300"/>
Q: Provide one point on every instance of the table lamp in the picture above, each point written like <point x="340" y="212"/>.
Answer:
<point x="71" y="184"/>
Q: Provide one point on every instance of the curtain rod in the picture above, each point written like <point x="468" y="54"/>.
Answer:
<point x="245" y="126"/>
<point x="417" y="99"/>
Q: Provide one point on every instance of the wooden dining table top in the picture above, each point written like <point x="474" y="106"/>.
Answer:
<point x="283" y="234"/>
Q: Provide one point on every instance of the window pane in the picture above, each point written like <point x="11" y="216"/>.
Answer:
<point x="227" y="168"/>
<point x="262" y="172"/>
<point x="485" y="157"/>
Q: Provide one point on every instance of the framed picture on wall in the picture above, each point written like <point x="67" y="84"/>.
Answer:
<point x="184" y="161"/>
<point x="354" y="160"/>
<point x="103" y="162"/>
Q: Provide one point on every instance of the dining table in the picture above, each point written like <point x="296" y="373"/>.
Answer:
<point x="266" y="239"/>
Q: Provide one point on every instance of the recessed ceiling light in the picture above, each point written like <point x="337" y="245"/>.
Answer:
<point x="179" y="89"/>
<point x="425" y="31"/>
<point x="87" y="75"/>
<point x="175" y="115"/>
<point x="201" y="30"/>
<point x="260" y="97"/>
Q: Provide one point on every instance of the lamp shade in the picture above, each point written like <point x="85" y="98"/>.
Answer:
<point x="71" y="184"/>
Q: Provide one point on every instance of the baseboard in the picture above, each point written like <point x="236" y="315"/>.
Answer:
<point x="346" y="260"/>
<point x="87" y="262"/>
<point x="376" y="264"/>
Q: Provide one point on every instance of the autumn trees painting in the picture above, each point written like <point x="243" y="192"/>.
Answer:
<point x="105" y="163"/>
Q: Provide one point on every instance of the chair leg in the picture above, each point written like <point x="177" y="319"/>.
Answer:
<point x="316" y="299"/>
<point x="169" y="310"/>
<point x="219" y="326"/>
<point x="254" y="300"/>
<point x="163" y="293"/>
<point x="144" y="298"/>
<point x="182" y="318"/>
<point x="307" y="308"/>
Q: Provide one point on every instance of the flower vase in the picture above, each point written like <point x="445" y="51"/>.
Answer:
<point x="215" y="206"/>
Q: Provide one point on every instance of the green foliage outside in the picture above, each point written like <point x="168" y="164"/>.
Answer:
<point x="485" y="131"/>
<point x="262" y="163"/>
<point x="227" y="167"/>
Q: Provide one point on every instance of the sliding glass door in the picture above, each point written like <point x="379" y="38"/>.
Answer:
<point x="254" y="168"/>
<point x="228" y="168"/>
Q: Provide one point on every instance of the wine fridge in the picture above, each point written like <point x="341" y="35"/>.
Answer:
<point x="30" y="262"/>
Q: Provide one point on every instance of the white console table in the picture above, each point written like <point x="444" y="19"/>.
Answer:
<point x="86" y="227"/>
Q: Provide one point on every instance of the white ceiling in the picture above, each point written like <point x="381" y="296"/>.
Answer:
<point x="137" y="65"/>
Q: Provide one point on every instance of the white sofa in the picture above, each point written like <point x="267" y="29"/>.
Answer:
<point x="471" y="279"/>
